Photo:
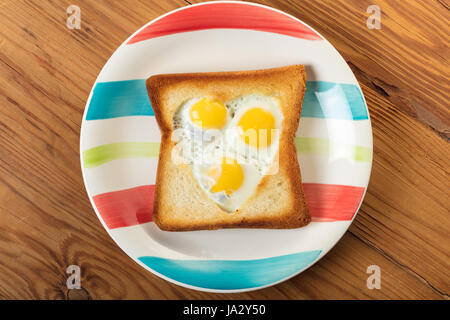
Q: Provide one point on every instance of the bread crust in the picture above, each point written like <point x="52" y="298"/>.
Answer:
<point x="278" y="201"/>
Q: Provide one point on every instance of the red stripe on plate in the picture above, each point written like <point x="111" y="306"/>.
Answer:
<point x="134" y="206"/>
<point x="329" y="202"/>
<point x="226" y="16"/>
<point x="126" y="207"/>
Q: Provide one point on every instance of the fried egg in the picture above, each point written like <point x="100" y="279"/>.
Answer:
<point x="197" y="126"/>
<point x="229" y="145"/>
<point x="228" y="182"/>
<point x="254" y="131"/>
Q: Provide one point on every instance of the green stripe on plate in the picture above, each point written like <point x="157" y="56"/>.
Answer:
<point x="325" y="147"/>
<point x="317" y="146"/>
<point x="121" y="150"/>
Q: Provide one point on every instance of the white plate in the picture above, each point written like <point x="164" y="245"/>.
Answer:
<point x="120" y="144"/>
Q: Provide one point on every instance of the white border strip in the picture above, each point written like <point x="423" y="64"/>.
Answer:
<point x="129" y="173"/>
<point x="231" y="49"/>
<point x="145" y="129"/>
<point x="227" y="244"/>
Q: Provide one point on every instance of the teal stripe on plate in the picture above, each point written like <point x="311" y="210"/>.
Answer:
<point x="333" y="101"/>
<point x="119" y="99"/>
<point x="322" y="100"/>
<point x="231" y="274"/>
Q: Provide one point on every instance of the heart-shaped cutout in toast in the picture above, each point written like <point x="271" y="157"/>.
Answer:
<point x="228" y="145"/>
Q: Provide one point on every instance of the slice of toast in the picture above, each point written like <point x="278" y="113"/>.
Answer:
<point x="278" y="202"/>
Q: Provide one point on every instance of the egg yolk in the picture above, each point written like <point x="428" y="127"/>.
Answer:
<point x="257" y="125"/>
<point x="208" y="114"/>
<point x="228" y="176"/>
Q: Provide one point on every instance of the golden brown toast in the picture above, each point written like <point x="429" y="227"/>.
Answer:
<point x="277" y="202"/>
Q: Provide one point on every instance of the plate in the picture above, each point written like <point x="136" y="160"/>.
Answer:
<point x="120" y="144"/>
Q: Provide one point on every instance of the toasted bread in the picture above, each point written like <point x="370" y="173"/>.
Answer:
<point x="278" y="201"/>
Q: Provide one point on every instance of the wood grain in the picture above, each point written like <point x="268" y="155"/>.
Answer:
<point x="46" y="74"/>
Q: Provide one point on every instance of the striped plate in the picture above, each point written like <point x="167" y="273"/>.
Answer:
<point x="120" y="144"/>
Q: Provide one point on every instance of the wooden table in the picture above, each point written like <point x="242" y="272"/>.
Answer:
<point x="47" y="222"/>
